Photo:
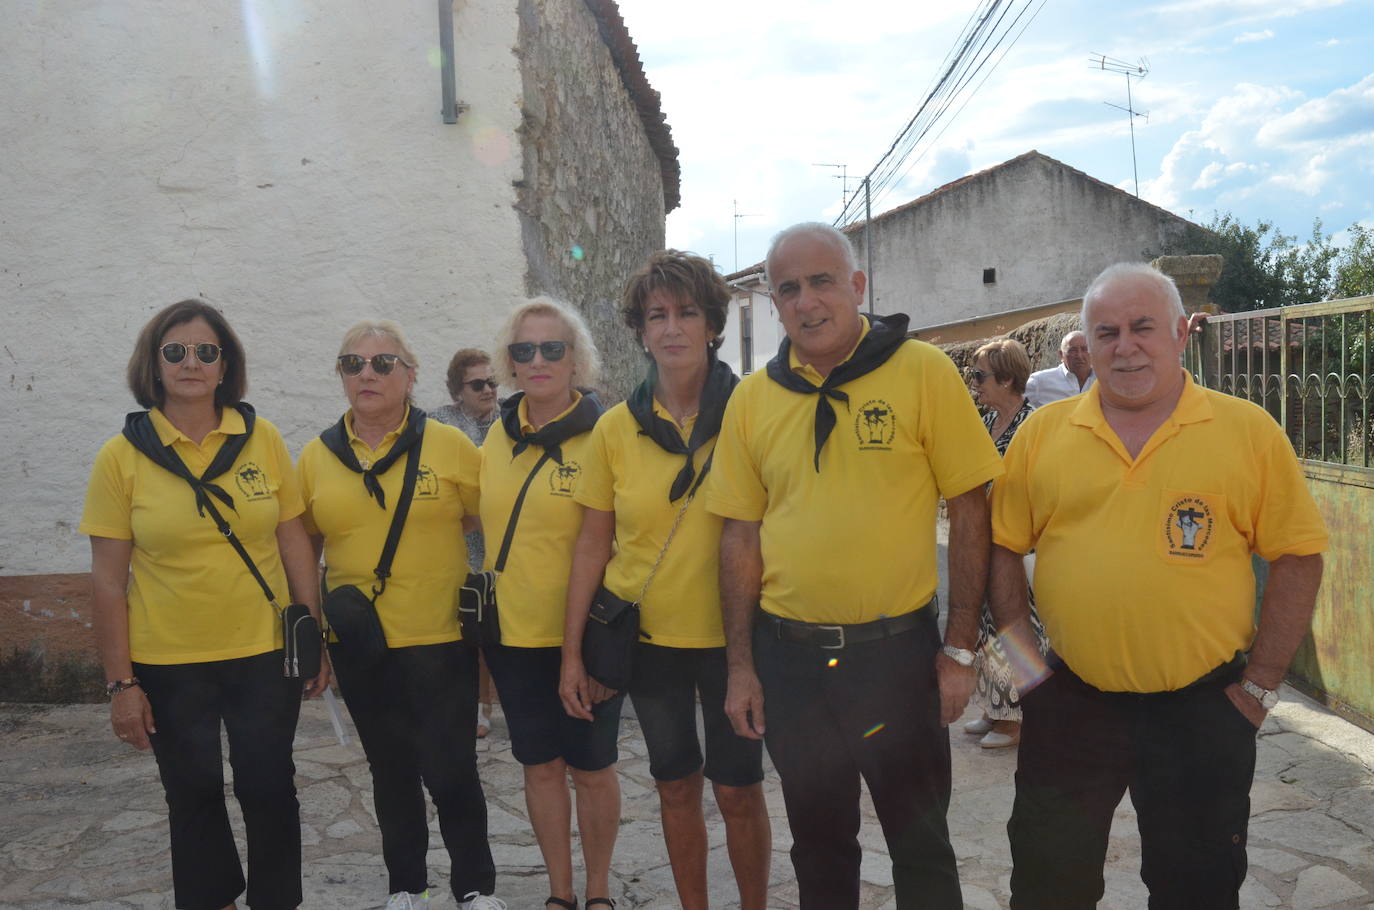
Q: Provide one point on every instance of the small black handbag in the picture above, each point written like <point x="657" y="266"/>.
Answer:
<point x="351" y="614"/>
<point x="612" y="630"/>
<point x="478" y="615"/>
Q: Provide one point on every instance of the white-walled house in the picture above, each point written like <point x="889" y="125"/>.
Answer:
<point x="1026" y="232"/>
<point x="289" y="163"/>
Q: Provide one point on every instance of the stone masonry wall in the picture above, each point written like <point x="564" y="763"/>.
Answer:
<point x="591" y="202"/>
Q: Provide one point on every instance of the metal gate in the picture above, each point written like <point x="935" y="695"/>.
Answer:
<point x="1309" y="366"/>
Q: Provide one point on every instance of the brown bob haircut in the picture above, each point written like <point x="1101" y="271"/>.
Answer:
<point x="1008" y="360"/>
<point x="143" y="365"/>
<point x="458" y="366"/>
<point x="683" y="276"/>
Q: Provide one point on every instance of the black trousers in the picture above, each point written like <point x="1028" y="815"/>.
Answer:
<point x="869" y="711"/>
<point x="415" y="712"/>
<point x="1187" y="758"/>
<point x="258" y="708"/>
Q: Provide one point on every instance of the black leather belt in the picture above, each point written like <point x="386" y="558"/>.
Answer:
<point x="832" y="637"/>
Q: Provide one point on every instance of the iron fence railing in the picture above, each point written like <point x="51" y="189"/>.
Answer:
<point x="1308" y="365"/>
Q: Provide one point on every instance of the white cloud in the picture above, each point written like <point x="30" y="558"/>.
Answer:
<point x="1344" y="112"/>
<point x="1251" y="37"/>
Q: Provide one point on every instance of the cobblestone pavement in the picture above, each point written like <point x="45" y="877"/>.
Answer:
<point x="84" y="823"/>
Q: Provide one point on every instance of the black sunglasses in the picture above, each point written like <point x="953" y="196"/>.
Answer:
<point x="523" y="351"/>
<point x="382" y="364"/>
<point x="978" y="376"/>
<point x="478" y="385"/>
<point x="175" y="351"/>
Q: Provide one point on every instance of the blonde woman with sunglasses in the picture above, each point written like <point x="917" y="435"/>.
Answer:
<point x="188" y="640"/>
<point x="415" y="703"/>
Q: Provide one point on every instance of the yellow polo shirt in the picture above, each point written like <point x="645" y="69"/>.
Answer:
<point x="419" y="605"/>
<point x="532" y="592"/>
<point x="1143" y="576"/>
<point x="627" y="473"/>
<point x="855" y="541"/>
<point x="191" y="598"/>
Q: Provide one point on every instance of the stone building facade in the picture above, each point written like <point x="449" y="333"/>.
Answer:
<point x="290" y="164"/>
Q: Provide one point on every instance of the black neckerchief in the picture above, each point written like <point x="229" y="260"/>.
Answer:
<point x="720" y="382"/>
<point x="884" y="337"/>
<point x="552" y="434"/>
<point x="336" y="440"/>
<point x="139" y="430"/>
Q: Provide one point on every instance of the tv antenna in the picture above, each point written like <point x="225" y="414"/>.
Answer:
<point x="738" y="216"/>
<point x="1138" y="70"/>
<point x="843" y="177"/>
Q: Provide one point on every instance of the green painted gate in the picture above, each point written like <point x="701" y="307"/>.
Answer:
<point x="1309" y="366"/>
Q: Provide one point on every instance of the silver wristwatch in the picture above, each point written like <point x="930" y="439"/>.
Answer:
<point x="961" y="656"/>
<point x="1266" y="697"/>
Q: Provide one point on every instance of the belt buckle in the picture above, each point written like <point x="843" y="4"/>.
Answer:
<point x="840" y="632"/>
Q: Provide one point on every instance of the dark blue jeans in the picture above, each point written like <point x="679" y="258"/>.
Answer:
<point x="258" y="708"/>
<point x="872" y="711"/>
<point x="1188" y="759"/>
<point x="415" y="712"/>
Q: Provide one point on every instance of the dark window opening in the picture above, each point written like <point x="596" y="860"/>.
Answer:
<point x="989" y="276"/>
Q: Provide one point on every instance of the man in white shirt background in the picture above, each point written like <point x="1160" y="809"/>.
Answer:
<point x="1073" y="375"/>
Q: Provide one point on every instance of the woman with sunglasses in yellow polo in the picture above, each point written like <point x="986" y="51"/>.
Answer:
<point x="385" y="469"/>
<point x="188" y="638"/>
<point x="531" y="465"/>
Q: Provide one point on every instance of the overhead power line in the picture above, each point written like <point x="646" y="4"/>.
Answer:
<point x="994" y="25"/>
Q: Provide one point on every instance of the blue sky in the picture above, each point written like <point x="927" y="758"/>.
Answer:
<point x="1263" y="108"/>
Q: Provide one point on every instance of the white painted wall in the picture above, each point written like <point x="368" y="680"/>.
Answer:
<point x="284" y="160"/>
<point x="767" y="329"/>
<point x="1046" y="229"/>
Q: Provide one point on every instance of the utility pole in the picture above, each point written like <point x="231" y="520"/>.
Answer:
<point x="1131" y="71"/>
<point x="868" y="242"/>
<point x="738" y="216"/>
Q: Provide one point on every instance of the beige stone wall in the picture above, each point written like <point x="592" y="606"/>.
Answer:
<point x="591" y="201"/>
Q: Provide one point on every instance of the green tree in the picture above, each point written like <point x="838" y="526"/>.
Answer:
<point x="1354" y="264"/>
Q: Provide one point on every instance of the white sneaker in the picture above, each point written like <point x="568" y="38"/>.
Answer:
<point x="476" y="901"/>
<point x="404" y="900"/>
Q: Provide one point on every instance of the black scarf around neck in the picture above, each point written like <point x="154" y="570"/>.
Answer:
<point x="336" y="440"/>
<point x="884" y="337"/>
<point x="720" y="382"/>
<point x="140" y="431"/>
<point x="553" y="434"/>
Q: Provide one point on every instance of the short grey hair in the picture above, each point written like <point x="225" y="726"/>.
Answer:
<point x="1064" y="342"/>
<point x="1123" y="271"/>
<point x="586" y="359"/>
<point x="829" y="232"/>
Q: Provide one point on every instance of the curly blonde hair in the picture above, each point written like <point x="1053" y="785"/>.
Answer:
<point x="586" y="360"/>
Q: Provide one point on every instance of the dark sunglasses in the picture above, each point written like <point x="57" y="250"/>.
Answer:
<point x="478" y="385"/>
<point x="523" y="351"/>
<point x="382" y="364"/>
<point x="175" y="351"/>
<point x="978" y="376"/>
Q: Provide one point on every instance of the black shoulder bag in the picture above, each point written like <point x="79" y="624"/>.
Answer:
<point x="351" y="614"/>
<point x="477" y="611"/>
<point x="301" y="639"/>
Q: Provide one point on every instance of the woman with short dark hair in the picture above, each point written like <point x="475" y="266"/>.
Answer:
<point x="649" y="456"/>
<point x="189" y="641"/>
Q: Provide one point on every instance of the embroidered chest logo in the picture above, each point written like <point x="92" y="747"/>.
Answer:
<point x="563" y="478"/>
<point x="252" y="482"/>
<point x="426" y="483"/>
<point x="1188" y="527"/>
<point x="875" y="425"/>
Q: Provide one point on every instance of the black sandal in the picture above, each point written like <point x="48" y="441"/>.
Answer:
<point x="566" y="905"/>
<point x="601" y="900"/>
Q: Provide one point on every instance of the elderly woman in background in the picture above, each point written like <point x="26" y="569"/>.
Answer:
<point x="534" y="457"/>
<point x="999" y="374"/>
<point x="189" y="642"/>
<point x="648" y="457"/>
<point x="473" y="410"/>
<point x="415" y="704"/>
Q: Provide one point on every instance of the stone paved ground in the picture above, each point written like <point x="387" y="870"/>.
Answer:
<point x="83" y="823"/>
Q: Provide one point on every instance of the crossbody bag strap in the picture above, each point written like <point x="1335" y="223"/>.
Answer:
<point x="398" y="520"/>
<point x="672" y="532"/>
<point x="500" y="564"/>
<point x="233" y="539"/>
